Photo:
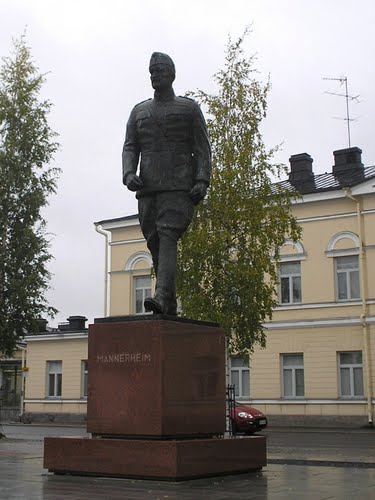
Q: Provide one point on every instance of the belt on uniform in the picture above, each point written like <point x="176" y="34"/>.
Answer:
<point x="170" y="150"/>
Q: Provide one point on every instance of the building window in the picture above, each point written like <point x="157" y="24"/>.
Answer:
<point x="347" y="277"/>
<point x="293" y="376"/>
<point x="290" y="282"/>
<point x="84" y="377"/>
<point x="142" y="289"/>
<point x="351" y="374"/>
<point x="239" y="376"/>
<point x="54" y="370"/>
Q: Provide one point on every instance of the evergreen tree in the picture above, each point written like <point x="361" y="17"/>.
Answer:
<point x="228" y="257"/>
<point x="26" y="148"/>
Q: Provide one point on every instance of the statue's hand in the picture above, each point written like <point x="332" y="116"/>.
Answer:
<point x="133" y="182"/>
<point x="198" y="192"/>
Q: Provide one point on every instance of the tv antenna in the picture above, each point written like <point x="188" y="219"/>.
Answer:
<point x="344" y="80"/>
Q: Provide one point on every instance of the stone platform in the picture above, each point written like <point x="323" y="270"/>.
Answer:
<point x="154" y="459"/>
<point x="155" y="405"/>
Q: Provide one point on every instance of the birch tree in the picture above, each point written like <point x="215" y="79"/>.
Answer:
<point x="228" y="257"/>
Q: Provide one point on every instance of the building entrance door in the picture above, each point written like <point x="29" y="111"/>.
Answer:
<point x="11" y="384"/>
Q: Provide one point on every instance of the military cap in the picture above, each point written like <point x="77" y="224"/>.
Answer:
<point x="160" y="58"/>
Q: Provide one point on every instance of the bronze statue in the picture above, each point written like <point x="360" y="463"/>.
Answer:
<point x="169" y="135"/>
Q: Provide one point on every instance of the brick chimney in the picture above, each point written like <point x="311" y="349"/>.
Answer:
<point x="73" y="323"/>
<point x="301" y="174"/>
<point x="77" y="322"/>
<point x="347" y="161"/>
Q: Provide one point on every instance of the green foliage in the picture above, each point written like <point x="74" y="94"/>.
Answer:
<point x="26" y="148"/>
<point x="228" y="257"/>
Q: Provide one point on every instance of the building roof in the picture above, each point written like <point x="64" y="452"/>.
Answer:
<point x="316" y="183"/>
<point x="117" y="219"/>
<point x="330" y="182"/>
<point x="75" y="325"/>
<point x="348" y="171"/>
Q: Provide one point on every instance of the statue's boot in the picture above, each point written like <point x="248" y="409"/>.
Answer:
<point x="155" y="305"/>
<point x="164" y="300"/>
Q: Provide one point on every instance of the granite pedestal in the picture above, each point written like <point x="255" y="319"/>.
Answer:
<point x="155" y="405"/>
<point x="156" y="378"/>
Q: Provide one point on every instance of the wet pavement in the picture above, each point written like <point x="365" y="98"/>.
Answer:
<point x="22" y="477"/>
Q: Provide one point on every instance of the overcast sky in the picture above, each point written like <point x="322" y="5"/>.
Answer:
<point x="96" y="54"/>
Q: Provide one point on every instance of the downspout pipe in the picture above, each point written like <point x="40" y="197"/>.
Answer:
<point x="106" y="234"/>
<point x="363" y="316"/>
<point x="23" y="388"/>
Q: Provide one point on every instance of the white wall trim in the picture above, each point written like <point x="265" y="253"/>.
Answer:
<point x="366" y="187"/>
<point x="291" y="257"/>
<point x="119" y="224"/>
<point x="144" y="270"/>
<point x="55" y="401"/>
<point x="136" y="258"/>
<point x="302" y="220"/>
<point x="296" y="244"/>
<point x="305" y="199"/>
<point x="321" y="305"/>
<point x="326" y="217"/>
<point x="321" y="196"/>
<point x="56" y="336"/>
<point x="308" y="401"/>
<point x="343" y="235"/>
<point x="126" y="242"/>
<point x="299" y="255"/>
<point x="342" y="252"/>
<point x="317" y="323"/>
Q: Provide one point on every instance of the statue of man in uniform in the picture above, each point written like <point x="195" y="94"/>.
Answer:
<point x="169" y="136"/>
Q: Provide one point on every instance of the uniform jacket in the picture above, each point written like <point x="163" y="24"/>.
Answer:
<point x="170" y="138"/>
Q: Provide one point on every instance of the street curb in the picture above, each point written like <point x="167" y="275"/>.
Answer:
<point x="337" y="430"/>
<point x="43" y="424"/>
<point x="321" y="463"/>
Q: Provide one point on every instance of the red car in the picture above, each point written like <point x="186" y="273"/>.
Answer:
<point x="247" y="419"/>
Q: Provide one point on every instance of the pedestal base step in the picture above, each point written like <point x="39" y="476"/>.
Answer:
<point x="143" y="459"/>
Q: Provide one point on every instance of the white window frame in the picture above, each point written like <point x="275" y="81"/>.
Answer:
<point x="56" y="372"/>
<point x="344" y="244"/>
<point x="290" y="277"/>
<point x="350" y="367"/>
<point x="146" y="292"/>
<point x="84" y="378"/>
<point x="241" y="370"/>
<point x="293" y="369"/>
<point x="347" y="273"/>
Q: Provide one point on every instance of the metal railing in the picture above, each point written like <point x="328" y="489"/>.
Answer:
<point x="230" y="405"/>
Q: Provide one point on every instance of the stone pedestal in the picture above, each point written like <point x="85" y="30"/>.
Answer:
<point x="156" y="378"/>
<point x="156" y="404"/>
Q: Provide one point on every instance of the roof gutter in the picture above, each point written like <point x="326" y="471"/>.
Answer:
<point x="106" y="234"/>
<point x="363" y="316"/>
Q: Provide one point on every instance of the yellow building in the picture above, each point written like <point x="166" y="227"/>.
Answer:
<point x="318" y="366"/>
<point x="127" y="267"/>
<point x="56" y="376"/>
<point x="320" y="357"/>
